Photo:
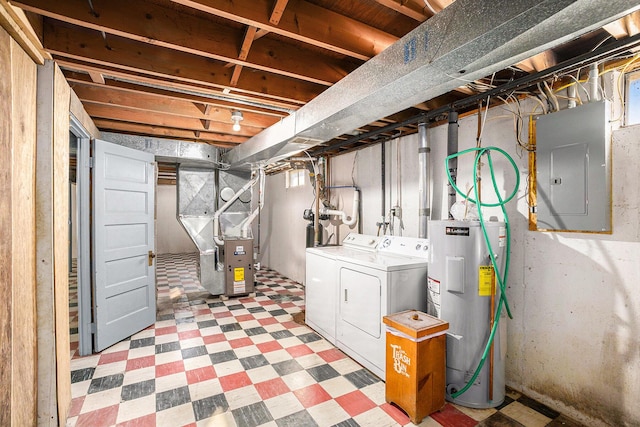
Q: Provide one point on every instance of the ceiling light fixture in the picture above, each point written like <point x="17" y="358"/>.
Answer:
<point x="236" y="118"/>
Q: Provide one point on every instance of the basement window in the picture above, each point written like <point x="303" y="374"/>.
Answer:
<point x="632" y="113"/>
<point x="295" y="178"/>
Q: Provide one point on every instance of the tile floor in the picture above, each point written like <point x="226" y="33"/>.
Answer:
<point x="244" y="362"/>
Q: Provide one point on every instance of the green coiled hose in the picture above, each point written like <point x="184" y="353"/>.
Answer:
<point x="502" y="278"/>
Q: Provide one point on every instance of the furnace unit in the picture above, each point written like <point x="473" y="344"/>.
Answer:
<point x="238" y="266"/>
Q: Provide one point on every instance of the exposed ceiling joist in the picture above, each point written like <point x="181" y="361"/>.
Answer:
<point x="182" y="32"/>
<point x="424" y="64"/>
<point x="625" y="27"/>
<point x="304" y="22"/>
<point x="74" y="70"/>
<point x="181" y="66"/>
<point x="210" y="138"/>
<point x="278" y="10"/>
<point x="130" y="55"/>
<point x="132" y="115"/>
<point x="408" y="8"/>
<point x="114" y="96"/>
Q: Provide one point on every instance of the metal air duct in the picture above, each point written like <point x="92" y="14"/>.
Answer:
<point x="470" y="39"/>
<point x="169" y="150"/>
<point x="196" y="188"/>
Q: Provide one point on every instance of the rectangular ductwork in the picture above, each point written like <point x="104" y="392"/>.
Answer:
<point x="468" y="40"/>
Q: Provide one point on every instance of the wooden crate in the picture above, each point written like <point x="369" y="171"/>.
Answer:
<point x="415" y="363"/>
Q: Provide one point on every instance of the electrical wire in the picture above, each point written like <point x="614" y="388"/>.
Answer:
<point x="502" y="278"/>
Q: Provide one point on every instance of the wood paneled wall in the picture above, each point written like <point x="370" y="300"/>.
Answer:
<point x="61" y="242"/>
<point x="18" y="354"/>
<point x="6" y="263"/>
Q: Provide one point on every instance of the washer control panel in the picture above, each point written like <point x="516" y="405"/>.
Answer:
<point x="406" y="246"/>
<point x="361" y="241"/>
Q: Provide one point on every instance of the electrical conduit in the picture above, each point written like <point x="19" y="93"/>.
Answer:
<point x="502" y="278"/>
<point x="424" y="210"/>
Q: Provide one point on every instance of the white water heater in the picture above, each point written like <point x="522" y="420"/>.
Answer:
<point x="460" y="283"/>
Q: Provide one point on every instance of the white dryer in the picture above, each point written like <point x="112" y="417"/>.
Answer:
<point x="375" y="284"/>
<point x="321" y="281"/>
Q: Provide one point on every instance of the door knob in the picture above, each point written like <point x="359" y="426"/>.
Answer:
<point x="151" y="257"/>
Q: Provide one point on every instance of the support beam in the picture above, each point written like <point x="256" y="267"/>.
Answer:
<point x="138" y="57"/>
<point x="423" y="65"/>
<point x="96" y="77"/>
<point x="171" y="92"/>
<point x="159" y="104"/>
<point x="235" y="76"/>
<point x="625" y="27"/>
<point x="538" y="62"/>
<point x="159" y="131"/>
<point x="164" y="120"/>
<point x="305" y="22"/>
<point x="165" y="27"/>
<point x="278" y="9"/>
<point x="14" y="21"/>
<point x="246" y="42"/>
<point x="408" y="8"/>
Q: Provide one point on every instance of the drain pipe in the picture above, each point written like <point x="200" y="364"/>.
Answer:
<point x="383" y="185"/>
<point x="216" y="215"/>
<point x="424" y="208"/>
<point x="452" y="148"/>
<point x="246" y="224"/>
<point x="594" y="85"/>
<point x="346" y="220"/>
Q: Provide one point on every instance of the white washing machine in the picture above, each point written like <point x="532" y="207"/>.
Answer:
<point x="321" y="281"/>
<point x="372" y="285"/>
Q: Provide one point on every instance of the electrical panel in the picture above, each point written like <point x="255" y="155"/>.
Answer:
<point x="573" y="182"/>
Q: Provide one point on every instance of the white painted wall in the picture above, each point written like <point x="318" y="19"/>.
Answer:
<point x="171" y="238"/>
<point x="282" y="228"/>
<point x="574" y="342"/>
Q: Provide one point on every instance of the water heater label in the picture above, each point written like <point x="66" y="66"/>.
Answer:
<point x="434" y="285"/>
<point x="433" y="297"/>
<point x="502" y="237"/>
<point x="457" y="231"/>
<point x="486" y="280"/>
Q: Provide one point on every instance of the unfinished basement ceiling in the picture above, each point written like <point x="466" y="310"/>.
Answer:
<point x="179" y="68"/>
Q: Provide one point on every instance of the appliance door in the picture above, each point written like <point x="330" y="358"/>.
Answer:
<point x="321" y="295"/>
<point x="361" y="298"/>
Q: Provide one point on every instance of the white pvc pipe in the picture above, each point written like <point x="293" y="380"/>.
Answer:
<point x="594" y="83"/>
<point x="216" y="215"/>
<point x="246" y="224"/>
<point x="346" y="220"/>
<point x="572" y="93"/>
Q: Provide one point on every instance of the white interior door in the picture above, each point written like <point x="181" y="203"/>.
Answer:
<point x="123" y="242"/>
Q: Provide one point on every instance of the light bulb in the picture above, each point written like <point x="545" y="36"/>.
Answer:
<point x="236" y="117"/>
